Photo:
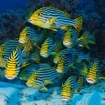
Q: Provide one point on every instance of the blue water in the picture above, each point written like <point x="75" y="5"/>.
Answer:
<point x="12" y="5"/>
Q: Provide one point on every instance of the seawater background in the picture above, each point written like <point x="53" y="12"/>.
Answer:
<point x="12" y="5"/>
<point x="92" y="94"/>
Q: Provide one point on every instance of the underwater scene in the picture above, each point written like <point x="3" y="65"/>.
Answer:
<point x="52" y="52"/>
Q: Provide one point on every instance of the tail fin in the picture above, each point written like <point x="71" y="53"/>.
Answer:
<point x="78" y="24"/>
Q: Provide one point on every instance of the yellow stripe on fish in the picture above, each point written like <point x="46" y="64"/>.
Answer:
<point x="80" y="84"/>
<point x="85" y="39"/>
<point x="68" y="89"/>
<point x="29" y="33"/>
<point x="70" y="38"/>
<point x="13" y="66"/>
<point x="57" y="58"/>
<point x="92" y="74"/>
<point x="61" y="66"/>
<point x="54" y="19"/>
<point x="47" y="47"/>
<point x="27" y="47"/>
<point x="42" y="77"/>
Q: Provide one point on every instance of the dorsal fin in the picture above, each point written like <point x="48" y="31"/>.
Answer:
<point x="52" y="7"/>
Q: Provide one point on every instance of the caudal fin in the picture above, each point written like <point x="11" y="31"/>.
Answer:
<point x="78" y="25"/>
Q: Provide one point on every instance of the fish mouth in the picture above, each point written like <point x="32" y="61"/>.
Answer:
<point x="64" y="98"/>
<point x="55" y="62"/>
<point x="66" y="43"/>
<point x="10" y="77"/>
<point x="31" y="21"/>
<point x="29" y="85"/>
<point x="21" y="41"/>
<point x="90" y="80"/>
<point x="59" y="71"/>
<point x="80" y="45"/>
<point x="44" y="55"/>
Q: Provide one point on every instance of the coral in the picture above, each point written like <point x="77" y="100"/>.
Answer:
<point x="11" y="23"/>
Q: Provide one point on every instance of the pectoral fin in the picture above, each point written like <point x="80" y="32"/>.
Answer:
<point x="48" y="82"/>
<point x="91" y="41"/>
<point x="44" y="88"/>
<point x="52" y="20"/>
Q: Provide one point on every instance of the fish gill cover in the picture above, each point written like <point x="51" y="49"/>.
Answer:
<point x="54" y="43"/>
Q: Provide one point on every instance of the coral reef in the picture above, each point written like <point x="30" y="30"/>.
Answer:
<point x="11" y="24"/>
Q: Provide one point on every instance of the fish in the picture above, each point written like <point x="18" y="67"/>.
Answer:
<point x="82" y="56"/>
<point x="52" y="18"/>
<point x="69" y="51"/>
<point x="6" y="49"/>
<point x="27" y="47"/>
<point x="85" y="39"/>
<point x="8" y="46"/>
<point x="84" y="70"/>
<point x="2" y="63"/>
<point x="80" y="84"/>
<point x="70" y="38"/>
<point x="42" y="77"/>
<point x="13" y="64"/>
<point x="61" y="66"/>
<point x="92" y="74"/>
<point x="28" y="33"/>
<point x="68" y="89"/>
<point x="76" y="54"/>
<point x="64" y="63"/>
<point x="47" y="47"/>
<point x="26" y="72"/>
<point x="57" y="58"/>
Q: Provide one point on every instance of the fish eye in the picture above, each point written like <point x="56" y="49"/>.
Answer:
<point x="39" y="14"/>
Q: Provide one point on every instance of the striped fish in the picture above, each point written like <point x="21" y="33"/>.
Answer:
<point x="85" y="39"/>
<point x="80" y="84"/>
<point x="13" y="64"/>
<point x="41" y="77"/>
<point x="69" y="39"/>
<point x="68" y="89"/>
<point x="27" y="71"/>
<point x="92" y="74"/>
<point x="47" y="47"/>
<point x="29" y="33"/>
<point x="54" y="19"/>
<point x="6" y="49"/>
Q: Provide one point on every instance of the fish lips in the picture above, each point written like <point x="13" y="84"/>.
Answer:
<point x="10" y="77"/>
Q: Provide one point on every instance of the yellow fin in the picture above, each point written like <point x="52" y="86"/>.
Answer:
<point x="48" y="82"/>
<point x="78" y="24"/>
<point x="53" y="29"/>
<point x="44" y="88"/>
<point x="52" y="20"/>
<point x="65" y="28"/>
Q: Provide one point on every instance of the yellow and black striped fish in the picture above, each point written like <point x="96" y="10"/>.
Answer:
<point x="54" y="19"/>
<point x="70" y="38"/>
<point x="92" y="74"/>
<point x="29" y="33"/>
<point x="47" y="47"/>
<point x="80" y="84"/>
<point x="42" y="77"/>
<point x="61" y="66"/>
<point x="13" y="64"/>
<point x="85" y="39"/>
<point x="68" y="89"/>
